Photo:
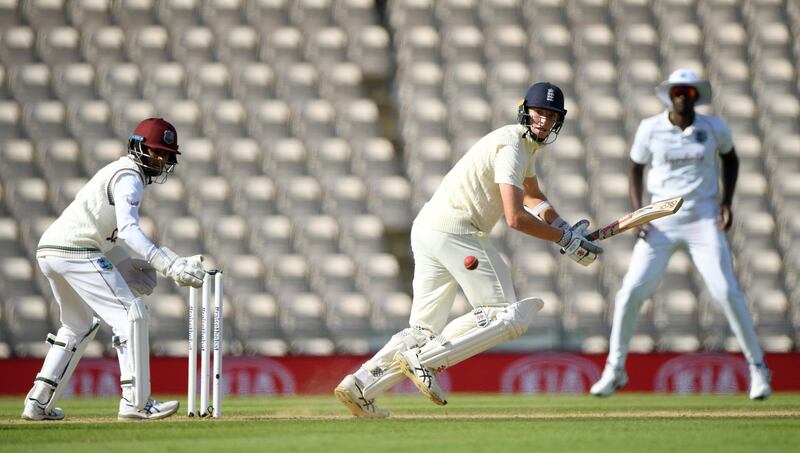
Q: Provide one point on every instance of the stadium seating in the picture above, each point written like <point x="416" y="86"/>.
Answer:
<point x="312" y="132"/>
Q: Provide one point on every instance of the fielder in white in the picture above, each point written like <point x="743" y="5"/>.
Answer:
<point x="90" y="272"/>
<point x="681" y="147"/>
<point x="495" y="177"/>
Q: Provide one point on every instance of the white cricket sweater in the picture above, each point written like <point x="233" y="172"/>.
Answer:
<point x="468" y="200"/>
<point x="88" y="226"/>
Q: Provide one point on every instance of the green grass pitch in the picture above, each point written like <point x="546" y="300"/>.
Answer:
<point x="470" y="423"/>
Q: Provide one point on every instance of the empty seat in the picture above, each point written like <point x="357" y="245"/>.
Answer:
<point x="268" y="121"/>
<point x="104" y="46"/>
<point x="75" y="82"/>
<point x="507" y="43"/>
<point x="298" y="83"/>
<point x="31" y="82"/>
<point x="253" y="82"/>
<point x="228" y="236"/>
<point x="467" y="79"/>
<point x="90" y="120"/>
<point x="120" y="82"/>
<point x="390" y="198"/>
<point x="285" y="159"/>
<point x="554" y="42"/>
<point x="287" y="274"/>
<point x="348" y="315"/>
<point x="46" y="120"/>
<point x="238" y="45"/>
<point x="32" y="230"/>
<point x="64" y="192"/>
<point x="676" y="318"/>
<point x="101" y="153"/>
<point x="418" y="44"/>
<point x="168" y="200"/>
<point x="126" y="116"/>
<point x="59" y="45"/>
<point x="244" y="273"/>
<point x="333" y="273"/>
<point x="10" y="14"/>
<point x="282" y="46"/>
<point x="463" y="44"/>
<point x="346" y="196"/>
<point x="198" y="159"/>
<point x="193" y="45"/>
<point x="28" y="324"/>
<point x="302" y="315"/>
<point x="178" y="14"/>
<point x="317" y="235"/>
<point x="272" y="236"/>
<point x="148" y="44"/>
<point x="378" y="275"/>
<point x="222" y="14"/>
<point x="584" y="320"/>
<point x="326" y="46"/>
<point x="255" y="196"/>
<point x="343" y="81"/>
<point x="164" y="83"/>
<point x="267" y="15"/>
<point x="16" y="277"/>
<point x="17" y="160"/>
<point x="257" y="324"/>
<point x="183" y="235"/>
<point x="363" y="235"/>
<point x="17" y="46"/>
<point x="330" y="159"/>
<point x="211" y="199"/>
<point x="375" y="158"/>
<point x="314" y="120"/>
<point x="185" y="115"/>
<point x="9" y="237"/>
<point x="369" y="48"/>
<point x="10" y="124"/>
<point x="45" y="13"/>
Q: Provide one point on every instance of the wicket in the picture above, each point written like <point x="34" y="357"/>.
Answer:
<point x="215" y="408"/>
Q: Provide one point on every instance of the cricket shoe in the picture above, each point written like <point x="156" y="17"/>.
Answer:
<point x="153" y="410"/>
<point x="423" y="377"/>
<point x="350" y="393"/>
<point x="760" y="378"/>
<point x="35" y="411"/>
<point x="611" y="380"/>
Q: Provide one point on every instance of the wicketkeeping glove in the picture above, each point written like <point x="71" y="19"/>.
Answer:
<point x="581" y="250"/>
<point x="184" y="271"/>
<point x="138" y="274"/>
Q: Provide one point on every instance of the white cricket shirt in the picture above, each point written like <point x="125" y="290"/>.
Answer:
<point x="468" y="200"/>
<point x="104" y="211"/>
<point x="683" y="163"/>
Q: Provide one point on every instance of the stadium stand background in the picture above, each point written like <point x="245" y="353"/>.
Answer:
<point x="312" y="131"/>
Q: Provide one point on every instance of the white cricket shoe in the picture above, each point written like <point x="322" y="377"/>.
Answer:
<point x="35" y="411"/>
<point x="609" y="382"/>
<point x="423" y="377"/>
<point x="153" y="410"/>
<point x="760" y="378"/>
<point x="352" y="395"/>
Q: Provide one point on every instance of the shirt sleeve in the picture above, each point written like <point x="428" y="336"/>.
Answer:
<point x="509" y="166"/>
<point x="724" y="136"/>
<point x="128" y="190"/>
<point x="640" y="150"/>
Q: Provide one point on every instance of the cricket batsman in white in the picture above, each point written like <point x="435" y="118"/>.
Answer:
<point x="495" y="177"/>
<point x="83" y="255"/>
<point x="681" y="147"/>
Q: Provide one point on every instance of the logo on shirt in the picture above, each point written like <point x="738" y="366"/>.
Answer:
<point x="105" y="264"/>
<point x="701" y="136"/>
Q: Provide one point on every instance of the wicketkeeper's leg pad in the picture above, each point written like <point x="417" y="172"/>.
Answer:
<point x="59" y="364"/>
<point x="136" y="351"/>
<point x="474" y="333"/>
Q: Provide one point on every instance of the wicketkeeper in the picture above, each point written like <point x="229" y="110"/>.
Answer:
<point x="83" y="255"/>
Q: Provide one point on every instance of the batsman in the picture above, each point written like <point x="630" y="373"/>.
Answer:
<point x="495" y="177"/>
<point x="84" y="255"/>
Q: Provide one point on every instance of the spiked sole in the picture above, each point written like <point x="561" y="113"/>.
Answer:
<point x="409" y="372"/>
<point x="352" y="405"/>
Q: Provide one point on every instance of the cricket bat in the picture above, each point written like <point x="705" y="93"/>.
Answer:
<point x="638" y="217"/>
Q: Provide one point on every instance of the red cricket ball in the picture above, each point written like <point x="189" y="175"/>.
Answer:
<point x="471" y="262"/>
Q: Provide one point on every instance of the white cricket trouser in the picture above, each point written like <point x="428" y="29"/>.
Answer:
<point x="81" y="287"/>
<point x="439" y="270"/>
<point x="710" y="252"/>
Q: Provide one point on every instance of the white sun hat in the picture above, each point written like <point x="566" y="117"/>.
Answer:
<point x="685" y="77"/>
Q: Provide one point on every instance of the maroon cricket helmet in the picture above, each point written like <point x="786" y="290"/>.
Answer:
<point x="157" y="133"/>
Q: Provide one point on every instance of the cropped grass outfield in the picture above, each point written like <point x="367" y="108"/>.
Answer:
<point x="470" y="423"/>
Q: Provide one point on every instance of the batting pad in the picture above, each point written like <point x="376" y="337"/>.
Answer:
<point x="139" y="345"/>
<point x="507" y="324"/>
